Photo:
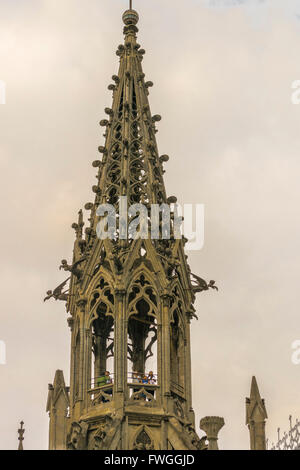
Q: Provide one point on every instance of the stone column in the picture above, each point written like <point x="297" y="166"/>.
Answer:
<point x="212" y="425"/>
<point x="164" y="346"/>
<point x="120" y="339"/>
<point x="188" y="372"/>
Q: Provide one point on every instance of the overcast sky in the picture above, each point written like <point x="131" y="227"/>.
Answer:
<point x="222" y="75"/>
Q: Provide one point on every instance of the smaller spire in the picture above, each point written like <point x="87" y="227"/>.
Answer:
<point x="79" y="226"/>
<point x="254" y="401"/>
<point x="254" y="392"/>
<point x="256" y="415"/>
<point x="21" y="431"/>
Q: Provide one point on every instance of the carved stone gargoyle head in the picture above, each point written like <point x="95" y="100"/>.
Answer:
<point x="77" y="438"/>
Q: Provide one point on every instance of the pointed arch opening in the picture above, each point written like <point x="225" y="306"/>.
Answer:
<point x="142" y="337"/>
<point x="143" y="440"/>
<point x="101" y="327"/>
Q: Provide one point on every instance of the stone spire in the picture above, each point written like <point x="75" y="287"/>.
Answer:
<point x="130" y="165"/>
<point x="256" y="416"/>
<point x="21" y="432"/>
<point x="129" y="299"/>
<point x="57" y="407"/>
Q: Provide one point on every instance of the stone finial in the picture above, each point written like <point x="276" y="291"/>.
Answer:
<point x="21" y="431"/>
<point x="79" y="225"/>
<point x="212" y="425"/>
<point x="130" y="17"/>
<point x="256" y="415"/>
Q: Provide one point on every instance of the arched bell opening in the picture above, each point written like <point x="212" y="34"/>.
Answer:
<point x="142" y="344"/>
<point x="102" y="330"/>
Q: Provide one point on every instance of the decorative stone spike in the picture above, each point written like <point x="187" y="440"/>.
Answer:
<point x="21" y="432"/>
<point x="96" y="189"/>
<point x="116" y="79"/>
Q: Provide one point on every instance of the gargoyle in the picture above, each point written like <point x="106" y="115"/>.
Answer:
<point x="77" y="438"/>
<point x="72" y="268"/>
<point x="57" y="294"/>
<point x="117" y="257"/>
<point x="202" y="285"/>
<point x="200" y="444"/>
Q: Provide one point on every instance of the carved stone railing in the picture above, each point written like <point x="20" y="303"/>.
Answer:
<point x="99" y="395"/>
<point x="142" y="392"/>
<point x="290" y="440"/>
<point x="177" y="389"/>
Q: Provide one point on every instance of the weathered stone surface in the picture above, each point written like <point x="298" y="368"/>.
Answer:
<point x="256" y="415"/>
<point x="127" y="297"/>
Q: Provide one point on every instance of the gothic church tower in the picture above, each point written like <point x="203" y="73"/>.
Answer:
<point x="130" y="300"/>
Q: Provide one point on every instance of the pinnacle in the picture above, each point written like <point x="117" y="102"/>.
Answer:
<point x="254" y="393"/>
<point x="255" y="402"/>
<point x="130" y="164"/>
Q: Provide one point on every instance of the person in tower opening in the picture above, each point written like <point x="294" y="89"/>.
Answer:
<point x="135" y="380"/>
<point x="151" y="381"/>
<point x="108" y="377"/>
<point x="108" y="381"/>
<point x="135" y="377"/>
<point x="144" y="381"/>
<point x="151" y="378"/>
<point x="101" y="381"/>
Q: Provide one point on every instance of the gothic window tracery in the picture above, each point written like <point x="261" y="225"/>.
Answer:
<point x="143" y="441"/>
<point x="101" y="321"/>
<point x="142" y="324"/>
